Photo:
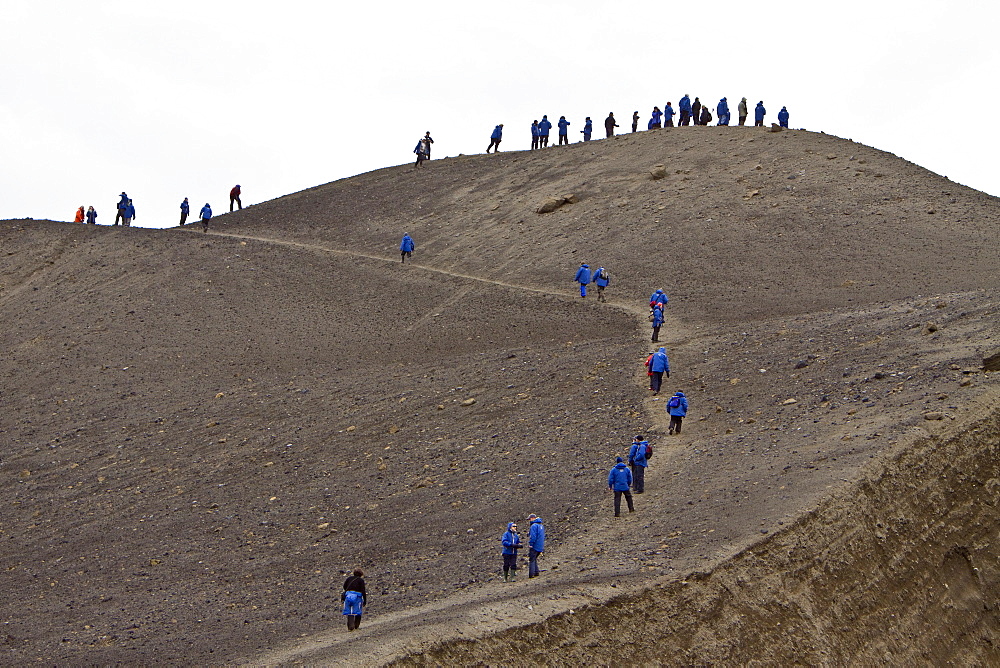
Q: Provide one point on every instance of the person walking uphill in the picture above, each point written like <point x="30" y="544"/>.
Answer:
<point x="406" y="247"/>
<point x="583" y="278"/>
<point x="619" y="482"/>
<point x="563" y="136"/>
<point x="658" y="365"/>
<point x="677" y="408"/>
<point x="656" y="317"/>
<point x="638" y="459"/>
<point x="543" y="131"/>
<point x="511" y="541"/>
<point x="495" y="138"/>
<point x="536" y="543"/>
<point x="355" y="598"/>
<point x="234" y="196"/>
<point x="206" y="215"/>
<point x="185" y="210"/>
<point x="601" y="279"/>
<point x="758" y="114"/>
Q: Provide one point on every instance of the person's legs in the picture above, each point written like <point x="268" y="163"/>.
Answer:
<point x="680" y="419"/>
<point x="184" y="217"/>
<point x="638" y="478"/>
<point x="126" y="221"/>
<point x="533" y="562"/>
<point x="402" y="256"/>
<point x="655" y="381"/>
<point x="656" y="333"/>
<point x="357" y="622"/>
<point x="628" y="499"/>
<point x="618" y="503"/>
<point x="583" y="290"/>
<point x="239" y="205"/>
<point x="673" y="424"/>
<point x="509" y="564"/>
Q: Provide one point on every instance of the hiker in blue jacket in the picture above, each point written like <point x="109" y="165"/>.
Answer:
<point x="534" y="135"/>
<point x="656" y="313"/>
<point x="668" y="116"/>
<point x="783" y="117"/>
<point x="658" y="297"/>
<point x="722" y="110"/>
<point x="658" y="365"/>
<point x="128" y="214"/>
<point x="206" y="215"/>
<point x="758" y="114"/>
<point x="563" y="124"/>
<point x="677" y="408"/>
<point x="583" y="278"/>
<point x="588" y="129"/>
<point x="511" y="541"/>
<point x="543" y="131"/>
<point x="684" y="106"/>
<point x="657" y="115"/>
<point x="536" y="543"/>
<point x="638" y="461"/>
<point x="406" y="247"/>
<point x="495" y="138"/>
<point x="601" y="278"/>
<point x="185" y="210"/>
<point x="421" y="150"/>
<point x="122" y="203"/>
<point x="619" y="481"/>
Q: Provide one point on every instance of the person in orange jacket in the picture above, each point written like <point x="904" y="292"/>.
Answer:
<point x="79" y="215"/>
<point x="234" y="196"/>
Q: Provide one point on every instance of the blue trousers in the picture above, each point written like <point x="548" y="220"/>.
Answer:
<point x="583" y="289"/>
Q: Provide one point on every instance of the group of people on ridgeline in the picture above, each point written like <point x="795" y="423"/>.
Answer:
<point x="126" y="211"/>
<point x="688" y="113"/>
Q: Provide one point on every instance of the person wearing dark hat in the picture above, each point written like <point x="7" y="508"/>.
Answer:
<point x="668" y="116"/>
<point x="543" y="131"/>
<point x="619" y="482"/>
<point x="758" y="114"/>
<point x="355" y="598"/>
<point x="635" y="121"/>
<point x="638" y="460"/>
<point x="234" y="196"/>
<point x="583" y="278"/>
<point x="742" y="110"/>
<point x="534" y="135"/>
<point x="610" y="125"/>
<point x="563" y="132"/>
<point x="696" y="111"/>
<point x="495" y="138"/>
<point x="588" y="128"/>
<point x="185" y="210"/>
<point x="427" y="144"/>
<point x="783" y="117"/>
<point x="421" y="150"/>
<point x="706" y="115"/>
<point x="654" y="122"/>
<point x="122" y="205"/>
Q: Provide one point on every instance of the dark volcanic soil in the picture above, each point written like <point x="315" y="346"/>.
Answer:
<point x="203" y="432"/>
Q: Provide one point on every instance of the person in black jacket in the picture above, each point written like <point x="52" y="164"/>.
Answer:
<point x="355" y="598"/>
<point x="696" y="111"/>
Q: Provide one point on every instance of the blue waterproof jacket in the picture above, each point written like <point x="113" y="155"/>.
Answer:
<point x="600" y="277"/>
<point x="637" y="454"/>
<point x="544" y="126"/>
<point x="206" y="212"/>
<point x="659" y="297"/>
<point x="723" y="108"/>
<point x="536" y="535"/>
<point x="123" y="202"/>
<point x="91" y="217"/>
<point x="419" y="149"/>
<point x="407" y="244"/>
<point x="682" y="409"/>
<point x="534" y="129"/>
<point x="563" y="124"/>
<point x="510" y="540"/>
<point x="129" y="211"/>
<point x="685" y="104"/>
<point x="758" y="113"/>
<point x="620" y="478"/>
<point x="185" y="207"/>
<point x="651" y="124"/>
<point x="783" y="118"/>
<point x="659" y="361"/>
<point x="657" y="116"/>
<point x="669" y="112"/>
<point x="497" y="132"/>
<point x="657" y="314"/>
<point x="583" y="275"/>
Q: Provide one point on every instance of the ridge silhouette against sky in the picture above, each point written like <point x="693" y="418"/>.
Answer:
<point x="187" y="99"/>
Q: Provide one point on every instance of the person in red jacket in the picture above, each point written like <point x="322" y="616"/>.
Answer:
<point x="234" y="196"/>
<point x="79" y="215"/>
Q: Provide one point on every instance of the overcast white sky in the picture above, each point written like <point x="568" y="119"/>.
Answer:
<point x="167" y="100"/>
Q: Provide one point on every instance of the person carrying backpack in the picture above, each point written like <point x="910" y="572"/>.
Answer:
<point x="677" y="408"/>
<point x="638" y="459"/>
<point x="601" y="279"/>
<point x="355" y="598"/>
<point x="656" y="317"/>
